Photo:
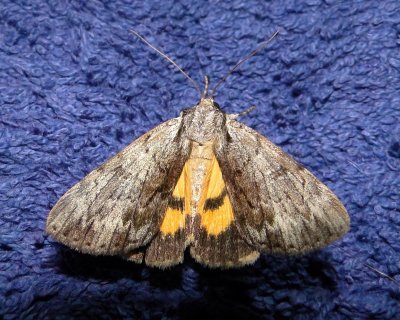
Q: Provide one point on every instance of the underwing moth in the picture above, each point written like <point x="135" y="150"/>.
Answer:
<point x="202" y="181"/>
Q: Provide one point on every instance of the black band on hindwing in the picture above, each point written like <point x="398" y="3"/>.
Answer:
<point x="215" y="203"/>
<point x="176" y="203"/>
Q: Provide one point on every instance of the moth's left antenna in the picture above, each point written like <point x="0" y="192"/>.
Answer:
<point x="168" y="58"/>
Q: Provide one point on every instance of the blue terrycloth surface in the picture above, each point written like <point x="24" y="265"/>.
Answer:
<point x="76" y="87"/>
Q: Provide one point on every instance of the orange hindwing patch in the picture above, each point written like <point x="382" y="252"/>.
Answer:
<point x="214" y="207"/>
<point x="178" y="205"/>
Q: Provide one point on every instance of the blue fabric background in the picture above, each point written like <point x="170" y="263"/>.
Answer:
<point x="76" y="87"/>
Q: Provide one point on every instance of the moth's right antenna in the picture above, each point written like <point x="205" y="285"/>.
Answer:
<point x="237" y="65"/>
<point x="168" y="58"/>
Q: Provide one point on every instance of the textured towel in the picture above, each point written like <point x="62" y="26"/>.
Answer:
<point x="76" y="87"/>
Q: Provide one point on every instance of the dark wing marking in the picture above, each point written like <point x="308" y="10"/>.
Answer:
<point x="166" y="251"/>
<point x="226" y="250"/>
<point x="119" y="206"/>
<point x="279" y="206"/>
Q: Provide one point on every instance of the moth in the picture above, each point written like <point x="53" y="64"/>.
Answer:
<point x="202" y="181"/>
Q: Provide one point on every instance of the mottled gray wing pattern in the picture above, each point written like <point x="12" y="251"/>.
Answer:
<point x="279" y="206"/>
<point x="119" y="206"/>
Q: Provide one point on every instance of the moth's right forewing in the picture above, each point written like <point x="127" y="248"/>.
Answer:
<point x="279" y="206"/>
<point x="119" y="206"/>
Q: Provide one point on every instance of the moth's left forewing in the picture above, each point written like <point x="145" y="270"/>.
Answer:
<point x="279" y="206"/>
<point x="118" y="207"/>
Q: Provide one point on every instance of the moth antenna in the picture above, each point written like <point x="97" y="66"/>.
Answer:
<point x="168" y="58"/>
<point x="380" y="272"/>
<point x="205" y="92"/>
<point x="237" y="65"/>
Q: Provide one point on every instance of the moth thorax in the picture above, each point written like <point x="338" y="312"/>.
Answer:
<point x="204" y="123"/>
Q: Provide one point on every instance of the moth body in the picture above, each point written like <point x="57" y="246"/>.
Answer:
<point x="203" y="181"/>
